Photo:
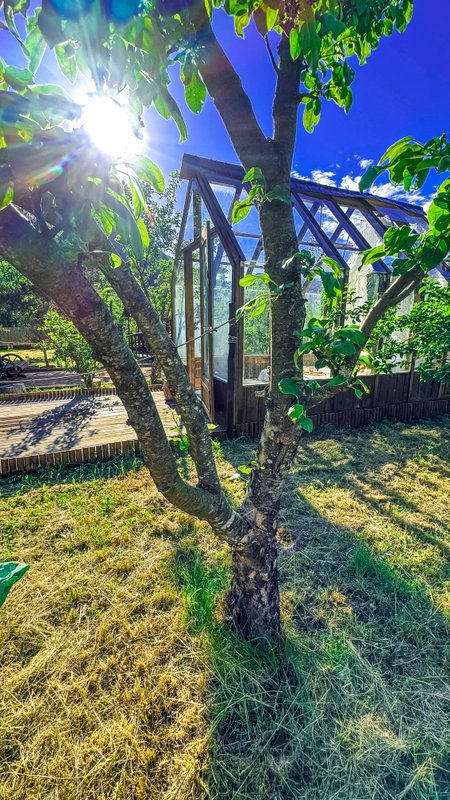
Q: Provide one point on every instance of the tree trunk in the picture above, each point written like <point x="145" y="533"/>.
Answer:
<point x="254" y="597"/>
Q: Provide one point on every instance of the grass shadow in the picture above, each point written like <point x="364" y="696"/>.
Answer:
<point x="353" y="704"/>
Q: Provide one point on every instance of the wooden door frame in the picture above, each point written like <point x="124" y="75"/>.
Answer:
<point x="207" y="385"/>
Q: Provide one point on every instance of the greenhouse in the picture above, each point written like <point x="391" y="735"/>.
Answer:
<point x="228" y="362"/>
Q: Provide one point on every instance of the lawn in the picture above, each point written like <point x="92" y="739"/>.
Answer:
<point x="118" y="680"/>
<point x="34" y="354"/>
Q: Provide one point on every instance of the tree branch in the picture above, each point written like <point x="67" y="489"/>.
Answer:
<point x="286" y="102"/>
<point x="44" y="263"/>
<point x="390" y="297"/>
<point x="156" y="337"/>
<point x="225" y="87"/>
<point x="403" y="286"/>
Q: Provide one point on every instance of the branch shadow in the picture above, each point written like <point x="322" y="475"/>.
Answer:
<point x="354" y="702"/>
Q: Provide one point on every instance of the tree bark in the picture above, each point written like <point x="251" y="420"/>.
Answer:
<point x="254" y="597"/>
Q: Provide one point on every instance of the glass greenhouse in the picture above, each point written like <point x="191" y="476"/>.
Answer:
<point x="227" y="361"/>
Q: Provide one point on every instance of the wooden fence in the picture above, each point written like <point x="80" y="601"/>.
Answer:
<point x="400" y="396"/>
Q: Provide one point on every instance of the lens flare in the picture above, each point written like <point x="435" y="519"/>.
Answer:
<point x="109" y="127"/>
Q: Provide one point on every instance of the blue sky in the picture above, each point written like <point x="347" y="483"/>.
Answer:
<point x="403" y="89"/>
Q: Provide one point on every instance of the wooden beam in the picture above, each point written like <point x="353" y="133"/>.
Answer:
<point x="354" y="233"/>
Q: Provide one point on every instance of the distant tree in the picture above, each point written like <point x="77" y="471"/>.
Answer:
<point x="70" y="349"/>
<point x="162" y="222"/>
<point x="20" y="304"/>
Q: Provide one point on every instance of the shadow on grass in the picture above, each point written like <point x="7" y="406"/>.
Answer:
<point x="63" y="473"/>
<point x="350" y="706"/>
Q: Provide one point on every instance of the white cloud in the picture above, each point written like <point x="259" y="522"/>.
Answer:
<point x="299" y="176"/>
<point x="326" y="178"/>
<point x="351" y="182"/>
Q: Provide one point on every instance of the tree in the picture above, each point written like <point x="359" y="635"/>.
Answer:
<point x="19" y="303"/>
<point x="162" y="222"/>
<point x="71" y="351"/>
<point x="74" y="210"/>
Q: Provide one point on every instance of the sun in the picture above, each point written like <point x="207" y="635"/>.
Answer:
<point x="110" y="127"/>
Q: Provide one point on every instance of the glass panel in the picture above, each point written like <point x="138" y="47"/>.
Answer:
<point x="179" y="320"/>
<point x="250" y="224"/>
<point x="366" y="228"/>
<point x="248" y="246"/>
<point x="225" y="196"/>
<point x="188" y="233"/>
<point x="196" y="293"/>
<point x="256" y="336"/>
<point x="204" y="309"/>
<point x="221" y="275"/>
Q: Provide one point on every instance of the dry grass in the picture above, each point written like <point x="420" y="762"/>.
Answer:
<point x="119" y="682"/>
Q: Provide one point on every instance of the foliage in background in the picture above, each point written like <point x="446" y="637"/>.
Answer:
<point x="426" y="335"/>
<point x="20" y="303"/>
<point x="71" y="351"/>
<point x="162" y="222"/>
<point x="427" y="325"/>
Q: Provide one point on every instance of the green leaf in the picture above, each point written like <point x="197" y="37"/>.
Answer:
<point x="334" y="25"/>
<point x="145" y="238"/>
<point x="288" y="386"/>
<point x="363" y="386"/>
<point x="343" y="347"/>
<point x="337" y="380"/>
<point x="195" y="93"/>
<point x="167" y="107"/>
<point x="18" y="78"/>
<point x="259" y="308"/>
<point x="9" y="17"/>
<point x="254" y="175"/>
<point x="294" y="44"/>
<point x="311" y="114"/>
<point x="125" y="225"/>
<point x="398" y="239"/>
<point x="65" y="56"/>
<point x="331" y="285"/>
<point x="35" y="45"/>
<point x="147" y="171"/>
<point x="115" y="260"/>
<point x="10" y="573"/>
<point x="334" y="266"/>
<point x="281" y="193"/>
<point x="50" y="26"/>
<point x="241" y="209"/>
<point x="296" y="412"/>
<point x="248" y="280"/>
<point x="240" y="22"/>
<point x="310" y="41"/>
<point x="352" y="335"/>
<point x="372" y="255"/>
<point x="7" y="197"/>
<point x="358" y="392"/>
<point x="306" y="423"/>
<point x="244" y="469"/>
<point x="137" y="196"/>
<point x="369" y="176"/>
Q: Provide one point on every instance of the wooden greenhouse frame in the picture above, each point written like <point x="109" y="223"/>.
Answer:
<point x="336" y="222"/>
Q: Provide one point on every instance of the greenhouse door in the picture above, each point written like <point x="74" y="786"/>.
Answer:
<point x="206" y="313"/>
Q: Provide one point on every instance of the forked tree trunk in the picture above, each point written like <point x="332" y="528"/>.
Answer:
<point x="254" y="597"/>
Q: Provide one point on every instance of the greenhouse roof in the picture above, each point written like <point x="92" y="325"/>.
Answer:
<point x="338" y="222"/>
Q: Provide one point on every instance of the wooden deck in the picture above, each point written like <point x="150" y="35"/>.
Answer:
<point x="58" y="426"/>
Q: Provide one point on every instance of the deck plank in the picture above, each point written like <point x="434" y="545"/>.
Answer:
<point x="48" y="426"/>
